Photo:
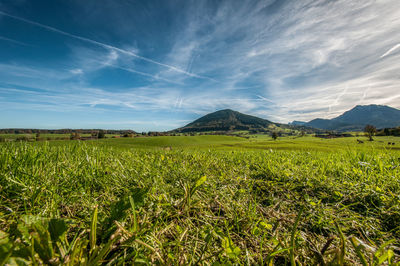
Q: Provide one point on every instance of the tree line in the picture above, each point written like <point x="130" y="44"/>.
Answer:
<point x="64" y="131"/>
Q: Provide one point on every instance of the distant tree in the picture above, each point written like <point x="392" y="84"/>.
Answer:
<point x="37" y="136"/>
<point x="386" y="132"/>
<point x="101" y="134"/>
<point x="74" y="136"/>
<point x="274" y="135"/>
<point x="370" y="131"/>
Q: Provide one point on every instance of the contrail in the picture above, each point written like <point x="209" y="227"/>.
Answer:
<point x="107" y="46"/>
<point x="397" y="46"/>
<point x="265" y="99"/>
<point x="13" y="41"/>
<point x="139" y="72"/>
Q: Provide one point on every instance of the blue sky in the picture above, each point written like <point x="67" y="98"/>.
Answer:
<point x="157" y="65"/>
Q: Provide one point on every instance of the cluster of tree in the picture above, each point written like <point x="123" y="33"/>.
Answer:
<point x="156" y="133"/>
<point x="99" y="134"/>
<point x="389" y="132"/>
<point x="304" y="129"/>
<point x="331" y="135"/>
<point x="370" y="131"/>
<point x="63" y="131"/>
<point x="275" y="135"/>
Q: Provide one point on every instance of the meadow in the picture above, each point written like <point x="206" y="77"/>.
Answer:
<point x="201" y="200"/>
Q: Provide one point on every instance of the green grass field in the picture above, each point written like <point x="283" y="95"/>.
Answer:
<point x="200" y="200"/>
<point x="261" y="142"/>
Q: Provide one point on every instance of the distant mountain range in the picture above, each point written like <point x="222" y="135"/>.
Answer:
<point x="380" y="116"/>
<point x="356" y="119"/>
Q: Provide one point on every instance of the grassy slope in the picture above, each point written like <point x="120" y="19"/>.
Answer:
<point x="203" y="201"/>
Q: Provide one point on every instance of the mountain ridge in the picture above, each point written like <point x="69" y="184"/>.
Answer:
<point x="380" y="116"/>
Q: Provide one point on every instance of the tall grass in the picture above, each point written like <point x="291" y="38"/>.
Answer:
<point x="87" y="204"/>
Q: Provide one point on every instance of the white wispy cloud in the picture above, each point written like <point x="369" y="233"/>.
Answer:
<point x="305" y="55"/>
<point x="76" y="71"/>
<point x="89" y="60"/>
<point x="107" y="46"/>
<point x="281" y="60"/>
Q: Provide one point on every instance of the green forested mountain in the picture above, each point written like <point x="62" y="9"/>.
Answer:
<point x="224" y="120"/>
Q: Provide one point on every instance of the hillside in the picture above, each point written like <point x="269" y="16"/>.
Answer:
<point x="229" y="120"/>
<point x="224" y="120"/>
<point x="380" y="116"/>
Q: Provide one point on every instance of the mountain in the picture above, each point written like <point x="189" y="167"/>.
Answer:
<point x="224" y="120"/>
<point x="297" y="123"/>
<point x="229" y="120"/>
<point x="380" y="116"/>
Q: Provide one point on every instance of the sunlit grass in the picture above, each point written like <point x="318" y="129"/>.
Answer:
<point x="199" y="202"/>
